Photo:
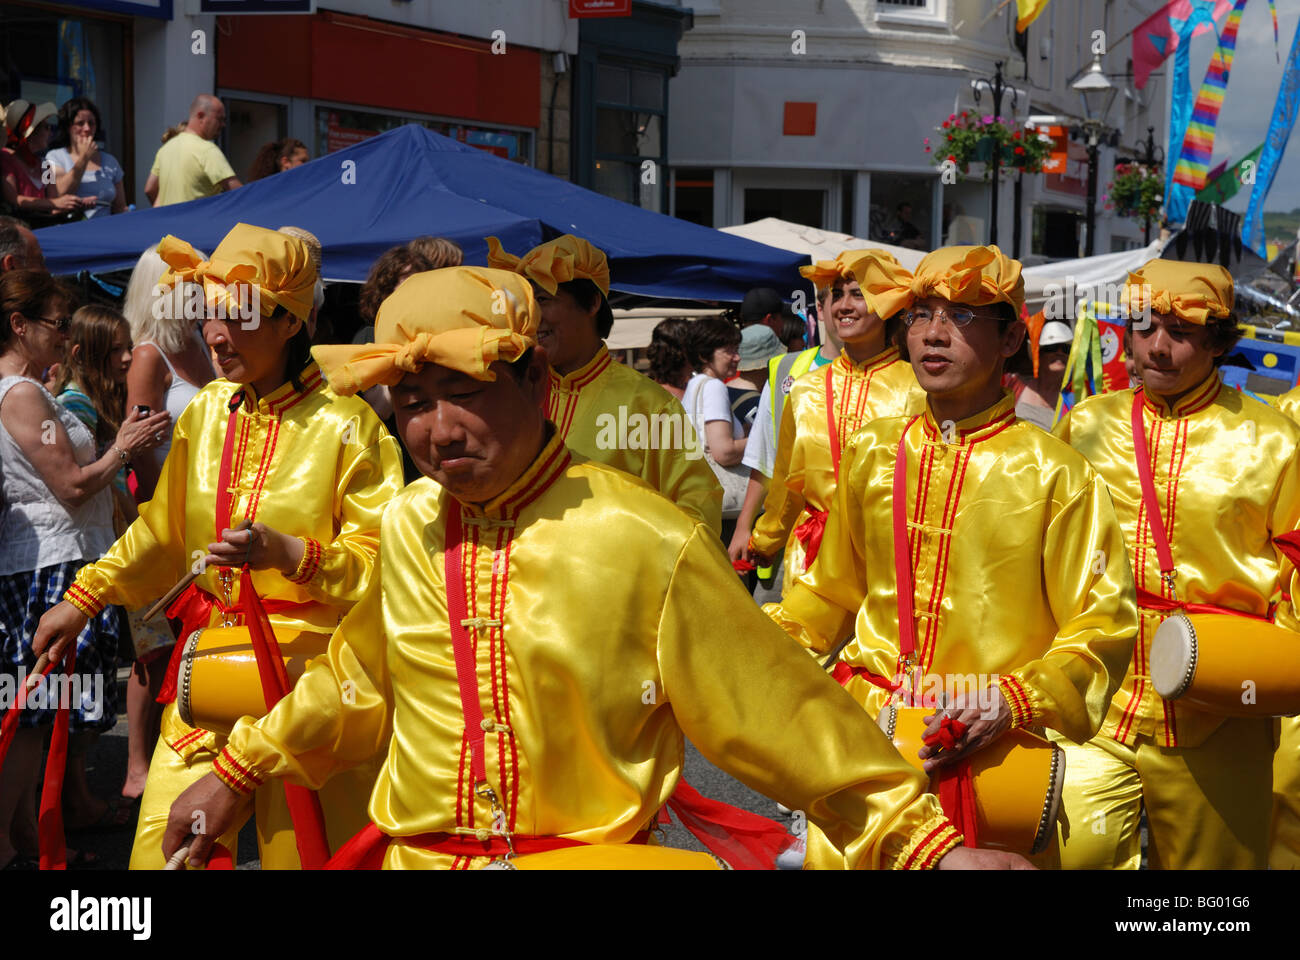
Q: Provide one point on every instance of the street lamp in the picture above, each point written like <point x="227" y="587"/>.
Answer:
<point x="998" y="89"/>
<point x="1097" y="93"/>
<point x="1152" y="156"/>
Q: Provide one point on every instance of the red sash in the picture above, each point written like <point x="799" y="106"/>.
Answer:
<point x="810" y="533"/>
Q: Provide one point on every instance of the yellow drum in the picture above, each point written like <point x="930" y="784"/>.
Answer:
<point x="218" y="681"/>
<point x="613" y="856"/>
<point x="1017" y="780"/>
<point x="1228" y="665"/>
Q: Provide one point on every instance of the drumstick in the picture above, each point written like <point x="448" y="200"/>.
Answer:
<point x="190" y="577"/>
<point x="835" y="654"/>
<point x="177" y="861"/>
<point x="34" y="677"/>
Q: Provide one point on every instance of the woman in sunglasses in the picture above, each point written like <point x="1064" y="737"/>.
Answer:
<point x="56" y="514"/>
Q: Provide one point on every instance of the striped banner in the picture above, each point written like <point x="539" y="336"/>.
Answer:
<point x="1190" y="175"/>
<point x="1285" y="109"/>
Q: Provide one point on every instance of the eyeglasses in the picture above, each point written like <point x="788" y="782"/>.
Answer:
<point x="60" y="324"/>
<point x="957" y="316"/>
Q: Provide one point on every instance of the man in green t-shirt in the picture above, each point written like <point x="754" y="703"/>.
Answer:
<point x="190" y="165"/>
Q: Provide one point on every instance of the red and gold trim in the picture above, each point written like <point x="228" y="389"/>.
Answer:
<point x="928" y="844"/>
<point x="84" y="600"/>
<point x="234" y="774"/>
<point x="309" y="565"/>
<point x="1196" y="401"/>
<point x="1022" y="708"/>
<point x="562" y="398"/>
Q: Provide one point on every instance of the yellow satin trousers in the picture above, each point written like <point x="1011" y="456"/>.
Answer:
<point x="1284" y="846"/>
<point x="1208" y="807"/>
<point x="344" y="800"/>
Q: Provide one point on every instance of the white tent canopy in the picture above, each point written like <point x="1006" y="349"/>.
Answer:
<point x="817" y="244"/>
<point x="1096" y="278"/>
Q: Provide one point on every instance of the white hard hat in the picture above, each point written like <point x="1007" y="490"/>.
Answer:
<point x="1054" y="332"/>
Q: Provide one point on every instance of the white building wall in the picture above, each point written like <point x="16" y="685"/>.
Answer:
<point x="883" y="77"/>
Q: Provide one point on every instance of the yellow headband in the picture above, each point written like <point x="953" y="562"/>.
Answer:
<point x="278" y="265"/>
<point x="464" y="318"/>
<point x="554" y="262"/>
<point x="975" y="276"/>
<point x="1190" y="291"/>
<point x="824" y="273"/>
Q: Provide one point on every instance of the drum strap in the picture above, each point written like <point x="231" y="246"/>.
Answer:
<point x="903" y="559"/>
<point x="1158" y="533"/>
<point x="832" y="430"/>
<point x="466" y="663"/>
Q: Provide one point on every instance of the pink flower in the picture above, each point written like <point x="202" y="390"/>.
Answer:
<point x="986" y="119"/>
<point x="952" y="117"/>
<point x="926" y="141"/>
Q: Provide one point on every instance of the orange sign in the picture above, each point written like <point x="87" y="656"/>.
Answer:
<point x="1058" y="160"/>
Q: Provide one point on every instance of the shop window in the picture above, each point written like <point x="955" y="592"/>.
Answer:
<point x="807" y="207"/>
<point x="52" y="58"/>
<point x="339" y="127"/>
<point x="629" y="153"/>
<point x="693" y="198"/>
<point x="249" y="125"/>
<point x="901" y="208"/>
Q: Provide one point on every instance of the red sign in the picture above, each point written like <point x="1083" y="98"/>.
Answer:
<point x="581" y="9"/>
<point x="337" y="137"/>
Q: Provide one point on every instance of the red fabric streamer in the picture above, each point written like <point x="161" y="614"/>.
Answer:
<point x="743" y="839"/>
<point x="9" y="726"/>
<point x="953" y="784"/>
<point x="49" y="831"/>
<point x="1150" y="601"/>
<point x="1289" y="544"/>
<point x="742" y="566"/>
<point x="304" y="805"/>
<point x="810" y="533"/>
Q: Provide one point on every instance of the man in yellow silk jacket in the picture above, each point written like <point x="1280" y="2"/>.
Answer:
<point x="1226" y="480"/>
<point x="586" y="680"/>
<point x="1016" y="559"/>
<point x="1284" y="847"/>
<point x="313" y="470"/>
<point x="867" y="380"/>
<point x="601" y="408"/>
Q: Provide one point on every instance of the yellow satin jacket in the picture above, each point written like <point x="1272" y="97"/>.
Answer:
<point x="611" y="414"/>
<point x="607" y="626"/>
<point x="803" y="475"/>
<point x="1017" y="561"/>
<point x="1227" y="479"/>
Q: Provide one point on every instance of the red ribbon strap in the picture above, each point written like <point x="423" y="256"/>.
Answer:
<point x="832" y="430"/>
<point x="1158" y="534"/>
<point x="903" y="552"/>
<point x="466" y="665"/>
<point x="745" y="840"/>
<point x="954" y="784"/>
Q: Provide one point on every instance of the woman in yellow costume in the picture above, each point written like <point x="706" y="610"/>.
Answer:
<point x="1222" y="479"/>
<point x="269" y="442"/>
<point x="824" y="409"/>
<point x="591" y="394"/>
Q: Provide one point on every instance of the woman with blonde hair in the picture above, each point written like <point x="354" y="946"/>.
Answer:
<point x="170" y="362"/>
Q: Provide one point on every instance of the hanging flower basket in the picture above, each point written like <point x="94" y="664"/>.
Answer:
<point x="1136" y="192"/>
<point x="967" y="138"/>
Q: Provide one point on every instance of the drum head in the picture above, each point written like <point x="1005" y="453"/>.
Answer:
<point x="1173" y="657"/>
<point x="1052" y="804"/>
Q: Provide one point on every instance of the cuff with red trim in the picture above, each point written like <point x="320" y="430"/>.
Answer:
<point x="84" y="600"/>
<point x="928" y="844"/>
<point x="309" y="565"/>
<point x="1022" y="708"/>
<point x="236" y="772"/>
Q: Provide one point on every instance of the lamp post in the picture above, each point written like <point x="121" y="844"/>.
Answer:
<point x="1097" y="93"/>
<point x="1152" y="156"/>
<point x="997" y="89"/>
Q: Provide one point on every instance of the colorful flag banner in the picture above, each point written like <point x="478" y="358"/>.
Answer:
<point x="1027" y="11"/>
<point x="1198" y="139"/>
<point x="1279" y="132"/>
<point x="1159" y="35"/>
<point x="1180" y="103"/>
<point x="1222" y="188"/>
